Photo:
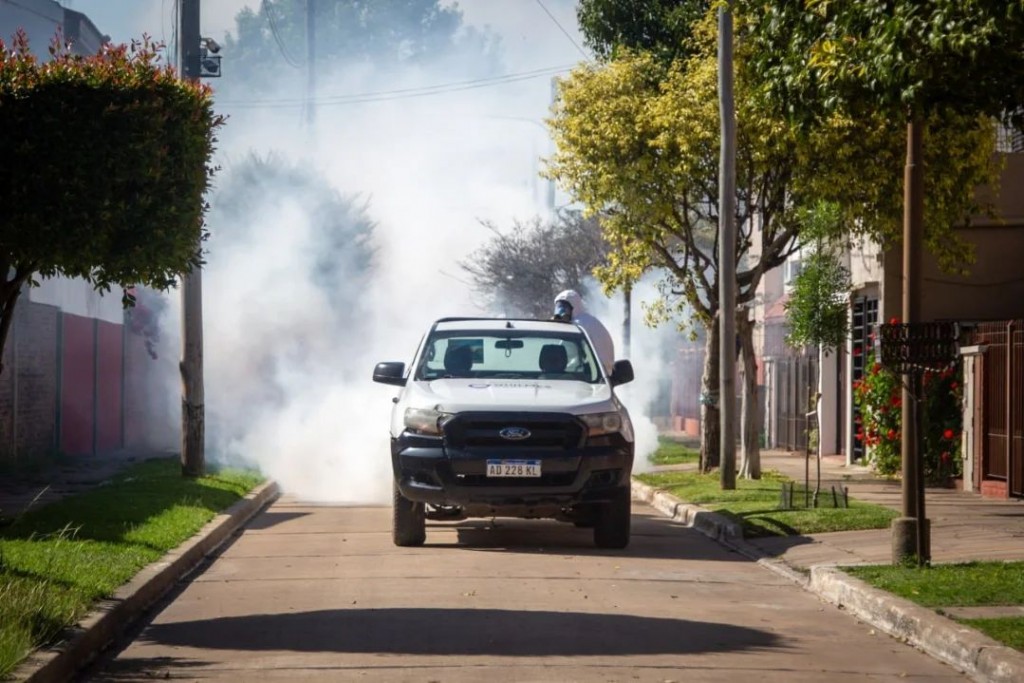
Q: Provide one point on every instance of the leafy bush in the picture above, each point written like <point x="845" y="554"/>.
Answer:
<point x="878" y="396"/>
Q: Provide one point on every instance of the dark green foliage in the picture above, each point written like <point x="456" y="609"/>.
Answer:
<point x="660" y="26"/>
<point x="519" y="272"/>
<point x="902" y="57"/>
<point x="106" y="160"/>
<point x="105" y="163"/>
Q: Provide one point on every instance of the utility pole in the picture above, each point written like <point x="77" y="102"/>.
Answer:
<point x="627" y="320"/>
<point x="551" y="141"/>
<point x="310" y="62"/>
<point x="910" y="532"/>
<point x="727" y="251"/>
<point x="193" y="410"/>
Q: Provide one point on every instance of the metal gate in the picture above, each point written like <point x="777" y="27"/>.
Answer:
<point x="795" y="382"/>
<point x="1002" y="386"/>
<point x="865" y="317"/>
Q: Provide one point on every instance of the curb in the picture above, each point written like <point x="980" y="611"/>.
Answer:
<point x="716" y="527"/>
<point x="980" y="657"/>
<point x="977" y="655"/>
<point x="111" y="617"/>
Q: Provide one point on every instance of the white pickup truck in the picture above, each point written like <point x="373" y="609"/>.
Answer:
<point x="501" y="417"/>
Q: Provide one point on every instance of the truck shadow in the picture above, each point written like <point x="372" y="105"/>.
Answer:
<point x="461" y="632"/>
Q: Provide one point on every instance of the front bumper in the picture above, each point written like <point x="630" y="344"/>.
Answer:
<point x="428" y="470"/>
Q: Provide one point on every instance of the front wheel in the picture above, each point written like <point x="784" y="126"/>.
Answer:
<point x="408" y="522"/>
<point x="611" y="526"/>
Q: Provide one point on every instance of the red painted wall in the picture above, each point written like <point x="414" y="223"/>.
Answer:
<point x="109" y="414"/>
<point x="77" y="380"/>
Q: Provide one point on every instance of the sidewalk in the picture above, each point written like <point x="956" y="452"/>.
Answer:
<point x="964" y="526"/>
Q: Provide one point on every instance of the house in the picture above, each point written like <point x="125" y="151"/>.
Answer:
<point x="985" y="303"/>
<point x="992" y="291"/>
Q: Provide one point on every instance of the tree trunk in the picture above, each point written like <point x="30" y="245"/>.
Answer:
<point x="710" y="415"/>
<point x="9" y="292"/>
<point x="750" y="466"/>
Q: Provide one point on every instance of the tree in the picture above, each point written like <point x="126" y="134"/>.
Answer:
<point x="341" y="230"/>
<point x="106" y="162"/>
<point x="817" y="309"/>
<point x="911" y="61"/>
<point x="270" y="42"/>
<point x="638" y="141"/>
<point x="520" y="271"/>
<point x="662" y="27"/>
<point x="330" y="259"/>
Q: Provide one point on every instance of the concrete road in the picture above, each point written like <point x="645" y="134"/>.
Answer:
<point x="319" y="593"/>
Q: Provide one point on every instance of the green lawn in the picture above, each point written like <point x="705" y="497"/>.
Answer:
<point x="971" y="584"/>
<point x="57" y="561"/>
<point x="671" y="452"/>
<point x="755" y="504"/>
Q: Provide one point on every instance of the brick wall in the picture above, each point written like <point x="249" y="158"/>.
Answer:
<point x="28" y="384"/>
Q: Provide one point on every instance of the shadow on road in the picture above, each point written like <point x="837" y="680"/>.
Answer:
<point x="437" y="631"/>
<point x="271" y="518"/>
<point x="653" y="537"/>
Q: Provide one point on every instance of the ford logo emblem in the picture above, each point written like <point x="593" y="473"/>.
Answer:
<point x="514" y="433"/>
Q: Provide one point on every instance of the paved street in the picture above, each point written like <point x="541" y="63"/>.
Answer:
<point x="318" y="592"/>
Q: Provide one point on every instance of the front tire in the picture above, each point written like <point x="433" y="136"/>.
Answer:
<point x="611" y="527"/>
<point x="408" y="521"/>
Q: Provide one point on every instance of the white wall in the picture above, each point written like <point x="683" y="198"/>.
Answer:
<point x="79" y="298"/>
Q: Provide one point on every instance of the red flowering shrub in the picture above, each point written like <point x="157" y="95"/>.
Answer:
<point x="878" y="396"/>
<point x="942" y="424"/>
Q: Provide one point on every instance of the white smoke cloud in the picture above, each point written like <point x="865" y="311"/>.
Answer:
<point x="287" y="375"/>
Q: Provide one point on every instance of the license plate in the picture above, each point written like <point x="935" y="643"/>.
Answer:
<point x="513" y="468"/>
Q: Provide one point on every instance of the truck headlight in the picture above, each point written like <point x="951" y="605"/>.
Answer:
<point x="602" y="423"/>
<point x="425" y="420"/>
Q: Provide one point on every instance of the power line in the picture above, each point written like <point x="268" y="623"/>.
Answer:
<point x="562" y="29"/>
<point x="404" y="93"/>
<point x="281" y="45"/>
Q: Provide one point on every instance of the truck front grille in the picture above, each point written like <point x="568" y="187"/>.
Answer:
<point x="547" y="431"/>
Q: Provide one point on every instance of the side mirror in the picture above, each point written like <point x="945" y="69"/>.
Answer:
<point x="622" y="373"/>
<point x="390" y="373"/>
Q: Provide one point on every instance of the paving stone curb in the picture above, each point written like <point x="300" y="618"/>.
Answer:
<point x="969" y="650"/>
<point x="111" y="618"/>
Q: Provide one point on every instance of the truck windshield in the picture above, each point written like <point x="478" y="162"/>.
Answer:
<point x="508" y="354"/>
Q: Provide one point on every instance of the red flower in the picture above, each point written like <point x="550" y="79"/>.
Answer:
<point x="947" y="435"/>
<point x="860" y="436"/>
<point x="891" y="434"/>
<point x="894" y="321"/>
<point x="945" y="456"/>
<point x="896" y="401"/>
<point x="857" y="350"/>
<point x="877" y="368"/>
<point x="953" y="386"/>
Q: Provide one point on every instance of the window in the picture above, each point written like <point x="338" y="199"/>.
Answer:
<point x="508" y="354"/>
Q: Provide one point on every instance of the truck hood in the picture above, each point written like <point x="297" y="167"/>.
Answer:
<point x="563" y="396"/>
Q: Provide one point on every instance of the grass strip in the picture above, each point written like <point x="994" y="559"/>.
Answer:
<point x="672" y="452"/>
<point x="755" y="503"/>
<point x="968" y="584"/>
<point x="57" y="561"/>
<point x="1007" y="630"/>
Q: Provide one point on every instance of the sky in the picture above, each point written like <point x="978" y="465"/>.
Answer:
<point x="287" y="373"/>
